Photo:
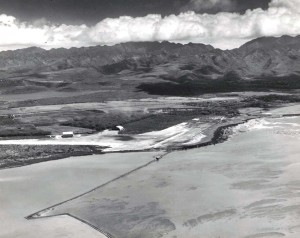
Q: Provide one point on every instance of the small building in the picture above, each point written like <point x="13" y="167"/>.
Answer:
<point x="118" y="128"/>
<point x="67" y="134"/>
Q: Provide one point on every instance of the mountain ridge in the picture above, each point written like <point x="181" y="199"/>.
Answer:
<point x="168" y="66"/>
<point x="265" y="47"/>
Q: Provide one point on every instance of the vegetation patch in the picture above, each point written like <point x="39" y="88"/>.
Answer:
<point x="105" y="120"/>
<point x="20" y="155"/>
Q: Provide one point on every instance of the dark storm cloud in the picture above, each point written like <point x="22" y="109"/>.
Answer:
<point x="85" y="11"/>
<point x="92" y="11"/>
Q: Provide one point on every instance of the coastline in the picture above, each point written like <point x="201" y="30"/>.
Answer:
<point x="215" y="134"/>
<point x="216" y="138"/>
<point x="186" y="123"/>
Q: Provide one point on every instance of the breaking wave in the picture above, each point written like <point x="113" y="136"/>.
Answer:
<point x="254" y="124"/>
<point x="277" y="126"/>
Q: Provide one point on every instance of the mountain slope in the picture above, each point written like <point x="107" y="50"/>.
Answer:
<point x="153" y="67"/>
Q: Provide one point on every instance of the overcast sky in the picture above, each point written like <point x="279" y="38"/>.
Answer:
<point x="65" y="23"/>
<point x="92" y="11"/>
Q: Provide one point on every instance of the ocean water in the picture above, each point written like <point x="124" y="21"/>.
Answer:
<point x="28" y="189"/>
<point x="248" y="186"/>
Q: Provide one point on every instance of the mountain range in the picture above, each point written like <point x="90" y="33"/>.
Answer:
<point x="161" y="68"/>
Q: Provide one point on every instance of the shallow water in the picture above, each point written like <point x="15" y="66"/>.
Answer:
<point x="27" y="189"/>
<point x="246" y="187"/>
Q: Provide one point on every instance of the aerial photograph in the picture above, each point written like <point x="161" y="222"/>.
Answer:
<point x="149" y="118"/>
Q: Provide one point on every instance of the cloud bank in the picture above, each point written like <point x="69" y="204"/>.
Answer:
<point x="223" y="30"/>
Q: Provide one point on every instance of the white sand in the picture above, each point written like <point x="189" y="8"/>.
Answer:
<point x="184" y="133"/>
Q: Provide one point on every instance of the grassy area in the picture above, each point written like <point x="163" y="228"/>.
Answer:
<point x="9" y="127"/>
<point x="20" y="155"/>
<point x="267" y="101"/>
<point x="197" y="85"/>
<point x="104" y="121"/>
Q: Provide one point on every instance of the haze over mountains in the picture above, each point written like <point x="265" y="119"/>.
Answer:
<point x="156" y="68"/>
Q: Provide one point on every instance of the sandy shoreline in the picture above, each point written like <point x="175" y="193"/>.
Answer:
<point x="213" y="135"/>
<point x="173" y="124"/>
